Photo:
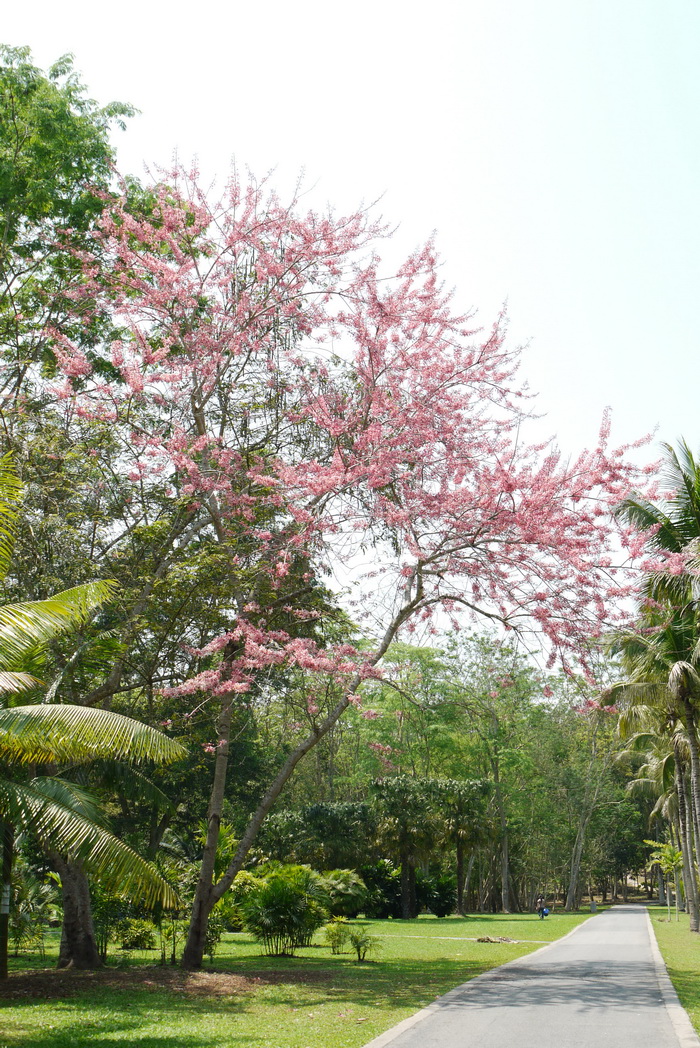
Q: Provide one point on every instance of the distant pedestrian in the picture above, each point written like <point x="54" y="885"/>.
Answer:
<point x="540" y="907"/>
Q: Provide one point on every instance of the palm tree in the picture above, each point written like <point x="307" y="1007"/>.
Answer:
<point x="672" y="526"/>
<point x="60" y="814"/>
<point x="661" y="691"/>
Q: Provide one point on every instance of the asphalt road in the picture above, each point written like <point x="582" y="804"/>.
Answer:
<point x="600" y="987"/>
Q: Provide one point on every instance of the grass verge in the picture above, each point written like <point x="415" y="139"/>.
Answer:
<point x="245" y="1000"/>
<point x="681" y="953"/>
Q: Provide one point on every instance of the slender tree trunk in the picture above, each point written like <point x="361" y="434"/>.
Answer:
<point x="460" y="875"/>
<point x="203" y="897"/>
<point x="7" y="842"/>
<point x="78" y="941"/>
<point x="694" y="762"/>
<point x="685" y="835"/>
<point x="575" y="868"/>
<point x="409" y="905"/>
<point x="503" y="821"/>
<point x="467" y="880"/>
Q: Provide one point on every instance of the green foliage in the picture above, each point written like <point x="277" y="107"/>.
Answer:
<point x="363" y="943"/>
<point x="215" y="929"/>
<point x="439" y="893"/>
<point x="383" y="882"/>
<point x="347" y="892"/>
<point x="134" y="933"/>
<point x="336" y="934"/>
<point x="35" y="903"/>
<point x="286" y="909"/>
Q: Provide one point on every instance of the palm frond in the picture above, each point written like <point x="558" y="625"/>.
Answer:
<point x="10" y="499"/>
<point x="60" y="828"/>
<point x="64" y="734"/>
<point x="13" y="683"/>
<point x="26" y="626"/>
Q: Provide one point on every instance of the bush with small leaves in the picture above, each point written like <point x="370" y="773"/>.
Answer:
<point x="135" y="934"/>
<point x="336" y="934"/>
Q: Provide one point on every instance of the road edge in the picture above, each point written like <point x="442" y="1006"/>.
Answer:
<point x="384" y="1039"/>
<point x="680" y="1020"/>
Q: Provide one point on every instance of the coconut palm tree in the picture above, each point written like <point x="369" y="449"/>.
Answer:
<point x="63" y="816"/>
<point x="673" y="525"/>
<point x="661" y="694"/>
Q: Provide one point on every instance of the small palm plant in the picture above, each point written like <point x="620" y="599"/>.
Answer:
<point x="670" y="860"/>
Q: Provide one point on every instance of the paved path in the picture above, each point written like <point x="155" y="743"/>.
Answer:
<point x="601" y="986"/>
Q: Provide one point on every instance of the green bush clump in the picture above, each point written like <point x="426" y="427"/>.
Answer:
<point x="286" y="909"/>
<point x="347" y="893"/>
<point x="383" y="881"/>
<point x="439" y="893"/>
<point x="135" y="934"/>
<point x="336" y="934"/>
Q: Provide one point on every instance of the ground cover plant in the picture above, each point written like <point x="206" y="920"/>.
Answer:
<point x="680" y="953"/>
<point x="252" y="1001"/>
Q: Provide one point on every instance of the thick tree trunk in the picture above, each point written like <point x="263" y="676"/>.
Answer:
<point x="78" y="941"/>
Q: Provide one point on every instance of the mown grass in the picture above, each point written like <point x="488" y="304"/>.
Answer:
<point x="246" y="1000"/>
<point x="681" y="953"/>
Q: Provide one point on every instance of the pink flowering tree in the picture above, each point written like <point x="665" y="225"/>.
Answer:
<point x="324" y="421"/>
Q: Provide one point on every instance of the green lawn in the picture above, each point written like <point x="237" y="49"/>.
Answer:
<point x="681" y="954"/>
<point x="248" y="1001"/>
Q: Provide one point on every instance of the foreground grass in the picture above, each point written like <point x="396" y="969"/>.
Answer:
<point x="681" y="953"/>
<point x="248" y="1001"/>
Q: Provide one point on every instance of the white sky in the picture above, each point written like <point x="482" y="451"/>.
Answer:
<point x="553" y="145"/>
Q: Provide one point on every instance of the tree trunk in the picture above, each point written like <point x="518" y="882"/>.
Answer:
<point x="409" y="905"/>
<point x="694" y="762"/>
<point x="685" y="835"/>
<point x="460" y="875"/>
<point x="78" y="940"/>
<point x="7" y="842"/>
<point x="575" y="869"/>
<point x="505" y="865"/>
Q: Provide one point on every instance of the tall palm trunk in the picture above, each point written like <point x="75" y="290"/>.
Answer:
<point x="691" y="729"/>
<point x="685" y="834"/>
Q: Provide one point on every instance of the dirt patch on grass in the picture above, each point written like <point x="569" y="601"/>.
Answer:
<point x="50" y="984"/>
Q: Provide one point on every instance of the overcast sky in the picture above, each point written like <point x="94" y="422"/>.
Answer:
<point x="552" y="145"/>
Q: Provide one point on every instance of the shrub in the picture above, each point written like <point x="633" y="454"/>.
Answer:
<point x="136" y="934"/>
<point x="215" y="929"/>
<point x="383" y="881"/>
<point x="286" y="909"/>
<point x="439" y="893"/>
<point x="337" y="934"/>
<point x="364" y="943"/>
<point x="347" y="893"/>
